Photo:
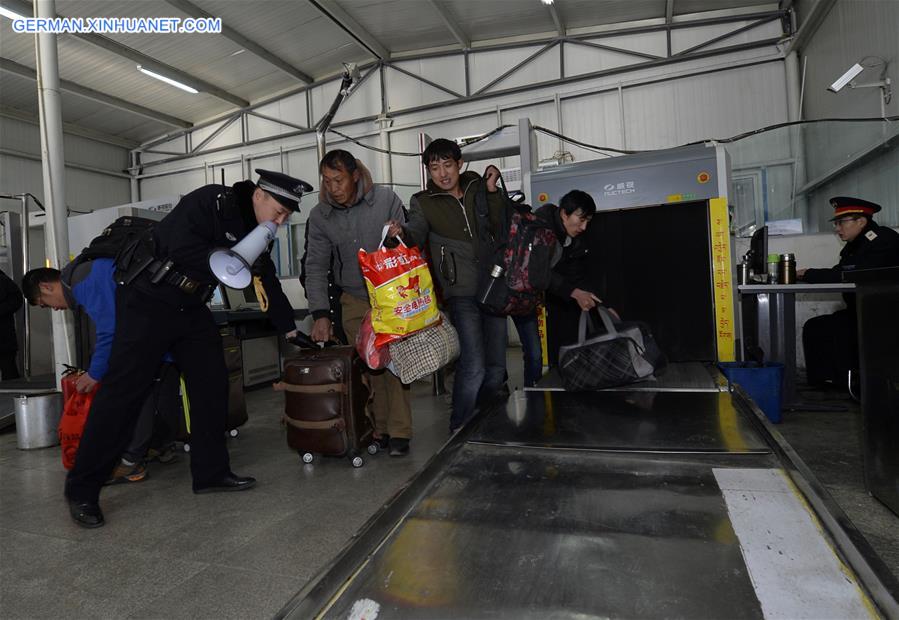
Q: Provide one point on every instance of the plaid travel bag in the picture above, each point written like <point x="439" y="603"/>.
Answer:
<point x="626" y="353"/>
<point x="424" y="352"/>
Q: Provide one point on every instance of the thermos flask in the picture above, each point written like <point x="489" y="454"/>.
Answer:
<point x="495" y="274"/>
<point x="743" y="273"/>
<point x="786" y="269"/>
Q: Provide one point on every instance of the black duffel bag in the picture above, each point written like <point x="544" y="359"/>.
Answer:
<point x="626" y="353"/>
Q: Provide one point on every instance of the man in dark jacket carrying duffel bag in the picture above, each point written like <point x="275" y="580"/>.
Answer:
<point x="161" y="306"/>
<point x="568" y="292"/>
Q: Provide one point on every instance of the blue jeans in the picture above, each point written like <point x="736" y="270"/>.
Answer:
<point x="531" y="351"/>
<point x="481" y="369"/>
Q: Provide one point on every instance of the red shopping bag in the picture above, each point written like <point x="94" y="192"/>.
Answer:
<point x="374" y="356"/>
<point x="74" y="415"/>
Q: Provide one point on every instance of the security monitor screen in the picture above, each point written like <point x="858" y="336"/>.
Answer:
<point x="244" y="299"/>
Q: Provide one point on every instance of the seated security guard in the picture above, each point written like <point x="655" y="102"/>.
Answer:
<point x="165" y="282"/>
<point x="830" y="341"/>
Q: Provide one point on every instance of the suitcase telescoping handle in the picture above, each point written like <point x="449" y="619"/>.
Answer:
<point x="303" y="341"/>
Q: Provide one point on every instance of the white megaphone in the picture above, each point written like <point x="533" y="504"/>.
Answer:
<point x="232" y="265"/>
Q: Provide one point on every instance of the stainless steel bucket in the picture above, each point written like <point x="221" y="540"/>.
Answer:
<point x="37" y="420"/>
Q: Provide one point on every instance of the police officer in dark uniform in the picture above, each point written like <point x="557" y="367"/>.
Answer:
<point x="164" y="283"/>
<point x="830" y="341"/>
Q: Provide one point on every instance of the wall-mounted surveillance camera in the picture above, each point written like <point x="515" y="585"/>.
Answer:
<point x="884" y="84"/>
<point x="847" y="77"/>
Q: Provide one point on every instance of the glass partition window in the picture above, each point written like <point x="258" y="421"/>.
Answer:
<point x="790" y="173"/>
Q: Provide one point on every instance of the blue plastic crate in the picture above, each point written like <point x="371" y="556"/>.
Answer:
<point x="764" y="384"/>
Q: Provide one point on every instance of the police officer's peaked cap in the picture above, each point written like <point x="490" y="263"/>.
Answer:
<point x="286" y="190"/>
<point x="845" y="205"/>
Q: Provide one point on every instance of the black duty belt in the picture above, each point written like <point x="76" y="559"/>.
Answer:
<point x="163" y="272"/>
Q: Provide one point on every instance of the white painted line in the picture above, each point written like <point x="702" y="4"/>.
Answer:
<point x="795" y="572"/>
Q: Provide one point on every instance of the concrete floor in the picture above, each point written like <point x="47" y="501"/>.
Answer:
<point x="829" y="442"/>
<point x="166" y="552"/>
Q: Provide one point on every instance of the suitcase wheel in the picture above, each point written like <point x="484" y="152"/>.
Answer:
<point x="307" y="457"/>
<point x="372" y="448"/>
<point x="234" y="432"/>
<point x="357" y="461"/>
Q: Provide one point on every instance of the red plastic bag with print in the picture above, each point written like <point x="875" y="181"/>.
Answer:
<point x="74" y="415"/>
<point x="375" y="357"/>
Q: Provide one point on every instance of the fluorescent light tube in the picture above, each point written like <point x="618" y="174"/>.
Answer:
<point x="847" y="77"/>
<point x="5" y="12"/>
<point x="168" y="80"/>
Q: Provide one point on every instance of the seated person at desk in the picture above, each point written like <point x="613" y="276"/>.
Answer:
<point x="830" y="341"/>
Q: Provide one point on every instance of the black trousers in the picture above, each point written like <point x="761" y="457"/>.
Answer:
<point x="830" y="343"/>
<point x="147" y="328"/>
<point x="158" y="419"/>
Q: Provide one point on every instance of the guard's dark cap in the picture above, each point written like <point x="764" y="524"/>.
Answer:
<point x="285" y="189"/>
<point x="845" y="205"/>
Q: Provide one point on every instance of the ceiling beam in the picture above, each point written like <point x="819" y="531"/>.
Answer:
<point x="251" y="46"/>
<point x="88" y="93"/>
<point x="726" y="35"/>
<point x="152" y="64"/>
<point x="70" y="128"/>
<point x="451" y="25"/>
<point x="809" y="25"/>
<point x="331" y="10"/>
<point x="557" y="19"/>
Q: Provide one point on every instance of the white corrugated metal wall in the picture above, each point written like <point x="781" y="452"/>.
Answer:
<point x="90" y="185"/>
<point x="86" y="190"/>
<point x="853" y="29"/>
<point x="662" y="106"/>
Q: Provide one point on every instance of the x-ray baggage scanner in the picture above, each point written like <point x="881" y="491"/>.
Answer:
<point x="660" y="240"/>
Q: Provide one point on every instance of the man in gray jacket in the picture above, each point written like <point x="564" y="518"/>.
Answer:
<point x="350" y="215"/>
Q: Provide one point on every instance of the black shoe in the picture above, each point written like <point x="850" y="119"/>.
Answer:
<point x="86" y="514"/>
<point x="228" y="482"/>
<point x="399" y="446"/>
<point x="383" y="442"/>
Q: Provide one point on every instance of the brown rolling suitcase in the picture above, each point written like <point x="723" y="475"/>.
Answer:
<point x="326" y="404"/>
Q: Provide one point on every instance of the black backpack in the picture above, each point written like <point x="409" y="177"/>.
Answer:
<point x="128" y="241"/>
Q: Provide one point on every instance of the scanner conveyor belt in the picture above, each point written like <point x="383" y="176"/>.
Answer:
<point x="597" y="505"/>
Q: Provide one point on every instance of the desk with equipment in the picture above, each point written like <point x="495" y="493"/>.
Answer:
<point x="238" y="314"/>
<point x="770" y="322"/>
